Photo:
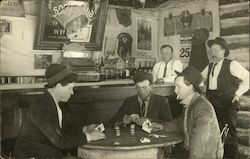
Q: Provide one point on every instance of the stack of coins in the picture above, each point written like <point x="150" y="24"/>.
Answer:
<point x="117" y="131"/>
<point x="132" y="129"/>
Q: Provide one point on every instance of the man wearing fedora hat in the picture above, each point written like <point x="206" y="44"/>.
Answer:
<point x="43" y="134"/>
<point x="198" y="120"/>
<point x="226" y="81"/>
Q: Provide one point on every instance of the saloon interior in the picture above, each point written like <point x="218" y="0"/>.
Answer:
<point x="120" y="38"/>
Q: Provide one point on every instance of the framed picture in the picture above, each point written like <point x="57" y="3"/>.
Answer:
<point x="144" y="34"/>
<point x="65" y="21"/>
<point x="42" y="61"/>
<point x="111" y="45"/>
<point x="7" y="26"/>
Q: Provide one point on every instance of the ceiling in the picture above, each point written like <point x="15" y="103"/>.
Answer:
<point x="137" y="4"/>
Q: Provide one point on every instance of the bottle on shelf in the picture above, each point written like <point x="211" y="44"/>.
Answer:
<point x="140" y="67"/>
<point x="102" y="70"/>
<point x="112" y="71"/>
<point x="107" y="71"/>
<point x="145" y="67"/>
<point x="127" y="70"/>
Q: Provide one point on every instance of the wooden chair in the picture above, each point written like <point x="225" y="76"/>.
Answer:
<point x="224" y="133"/>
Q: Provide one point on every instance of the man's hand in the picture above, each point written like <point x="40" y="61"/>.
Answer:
<point x="157" y="127"/>
<point x="96" y="135"/>
<point x="140" y="121"/>
<point x="236" y="98"/>
<point x="89" y="128"/>
<point x="127" y="119"/>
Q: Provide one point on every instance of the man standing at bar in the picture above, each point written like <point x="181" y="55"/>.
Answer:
<point x="164" y="71"/>
<point x="43" y="134"/>
<point x="226" y="80"/>
<point x="145" y="104"/>
<point x="198" y="120"/>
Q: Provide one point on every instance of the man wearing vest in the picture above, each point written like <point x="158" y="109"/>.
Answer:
<point x="226" y="80"/>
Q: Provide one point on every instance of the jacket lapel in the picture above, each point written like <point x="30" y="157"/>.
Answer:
<point x="53" y="112"/>
<point x="151" y="104"/>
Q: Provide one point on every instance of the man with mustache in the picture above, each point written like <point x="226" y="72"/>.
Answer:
<point x="226" y="80"/>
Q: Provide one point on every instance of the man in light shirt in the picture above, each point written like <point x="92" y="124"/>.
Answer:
<point x="226" y="81"/>
<point x="164" y="71"/>
<point x="43" y="134"/>
<point x="198" y="122"/>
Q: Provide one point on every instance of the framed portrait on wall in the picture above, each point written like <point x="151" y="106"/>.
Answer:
<point x="65" y="21"/>
<point x="144" y="34"/>
<point x="111" y="45"/>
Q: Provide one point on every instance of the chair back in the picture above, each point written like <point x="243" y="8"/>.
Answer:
<point x="224" y="133"/>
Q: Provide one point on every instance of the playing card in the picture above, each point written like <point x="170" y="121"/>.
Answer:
<point x="100" y="127"/>
<point x="147" y="126"/>
<point x="134" y="117"/>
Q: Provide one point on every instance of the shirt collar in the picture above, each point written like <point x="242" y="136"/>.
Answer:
<point x="220" y="62"/>
<point x="186" y="102"/>
<point x="168" y="61"/>
<point x="141" y="101"/>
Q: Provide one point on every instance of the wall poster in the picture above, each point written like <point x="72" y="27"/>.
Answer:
<point x="187" y="23"/>
<point x="65" y="21"/>
<point x="144" y="34"/>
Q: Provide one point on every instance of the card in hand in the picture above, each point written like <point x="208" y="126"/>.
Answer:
<point x="147" y="126"/>
<point x="100" y="127"/>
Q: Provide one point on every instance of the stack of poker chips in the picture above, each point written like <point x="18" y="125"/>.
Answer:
<point x="132" y="129"/>
<point x="117" y="131"/>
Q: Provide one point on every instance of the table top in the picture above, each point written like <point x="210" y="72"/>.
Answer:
<point x="131" y="142"/>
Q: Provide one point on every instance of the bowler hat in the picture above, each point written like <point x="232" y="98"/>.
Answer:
<point x="57" y="72"/>
<point x="220" y="41"/>
<point x="200" y="36"/>
<point x="193" y="76"/>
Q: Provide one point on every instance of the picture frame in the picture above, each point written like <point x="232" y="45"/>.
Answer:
<point x="111" y="45"/>
<point x="51" y="34"/>
<point x="7" y="26"/>
<point x="144" y="34"/>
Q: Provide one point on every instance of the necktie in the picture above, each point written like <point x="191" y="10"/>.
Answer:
<point x="165" y="70"/>
<point x="213" y="68"/>
<point x="143" y="108"/>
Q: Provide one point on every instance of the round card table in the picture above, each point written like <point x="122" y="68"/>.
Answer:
<point x="129" y="146"/>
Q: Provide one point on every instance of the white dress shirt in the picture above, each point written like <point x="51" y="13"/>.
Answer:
<point x="236" y="70"/>
<point x="172" y="66"/>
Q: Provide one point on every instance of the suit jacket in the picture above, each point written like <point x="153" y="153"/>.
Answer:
<point x="202" y="127"/>
<point x="158" y="109"/>
<point x="41" y="135"/>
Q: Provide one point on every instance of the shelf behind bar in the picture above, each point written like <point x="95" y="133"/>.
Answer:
<point x="18" y="86"/>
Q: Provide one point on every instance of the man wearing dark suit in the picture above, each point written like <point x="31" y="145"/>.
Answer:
<point x="145" y="104"/>
<point x="198" y="121"/>
<point x="42" y="134"/>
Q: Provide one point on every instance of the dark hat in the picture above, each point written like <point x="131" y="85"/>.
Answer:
<point x="140" y="76"/>
<point x="57" y="72"/>
<point x="193" y="76"/>
<point x="220" y="41"/>
<point x="200" y="36"/>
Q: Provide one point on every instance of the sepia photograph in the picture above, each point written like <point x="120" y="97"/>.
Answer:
<point x="124" y="79"/>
